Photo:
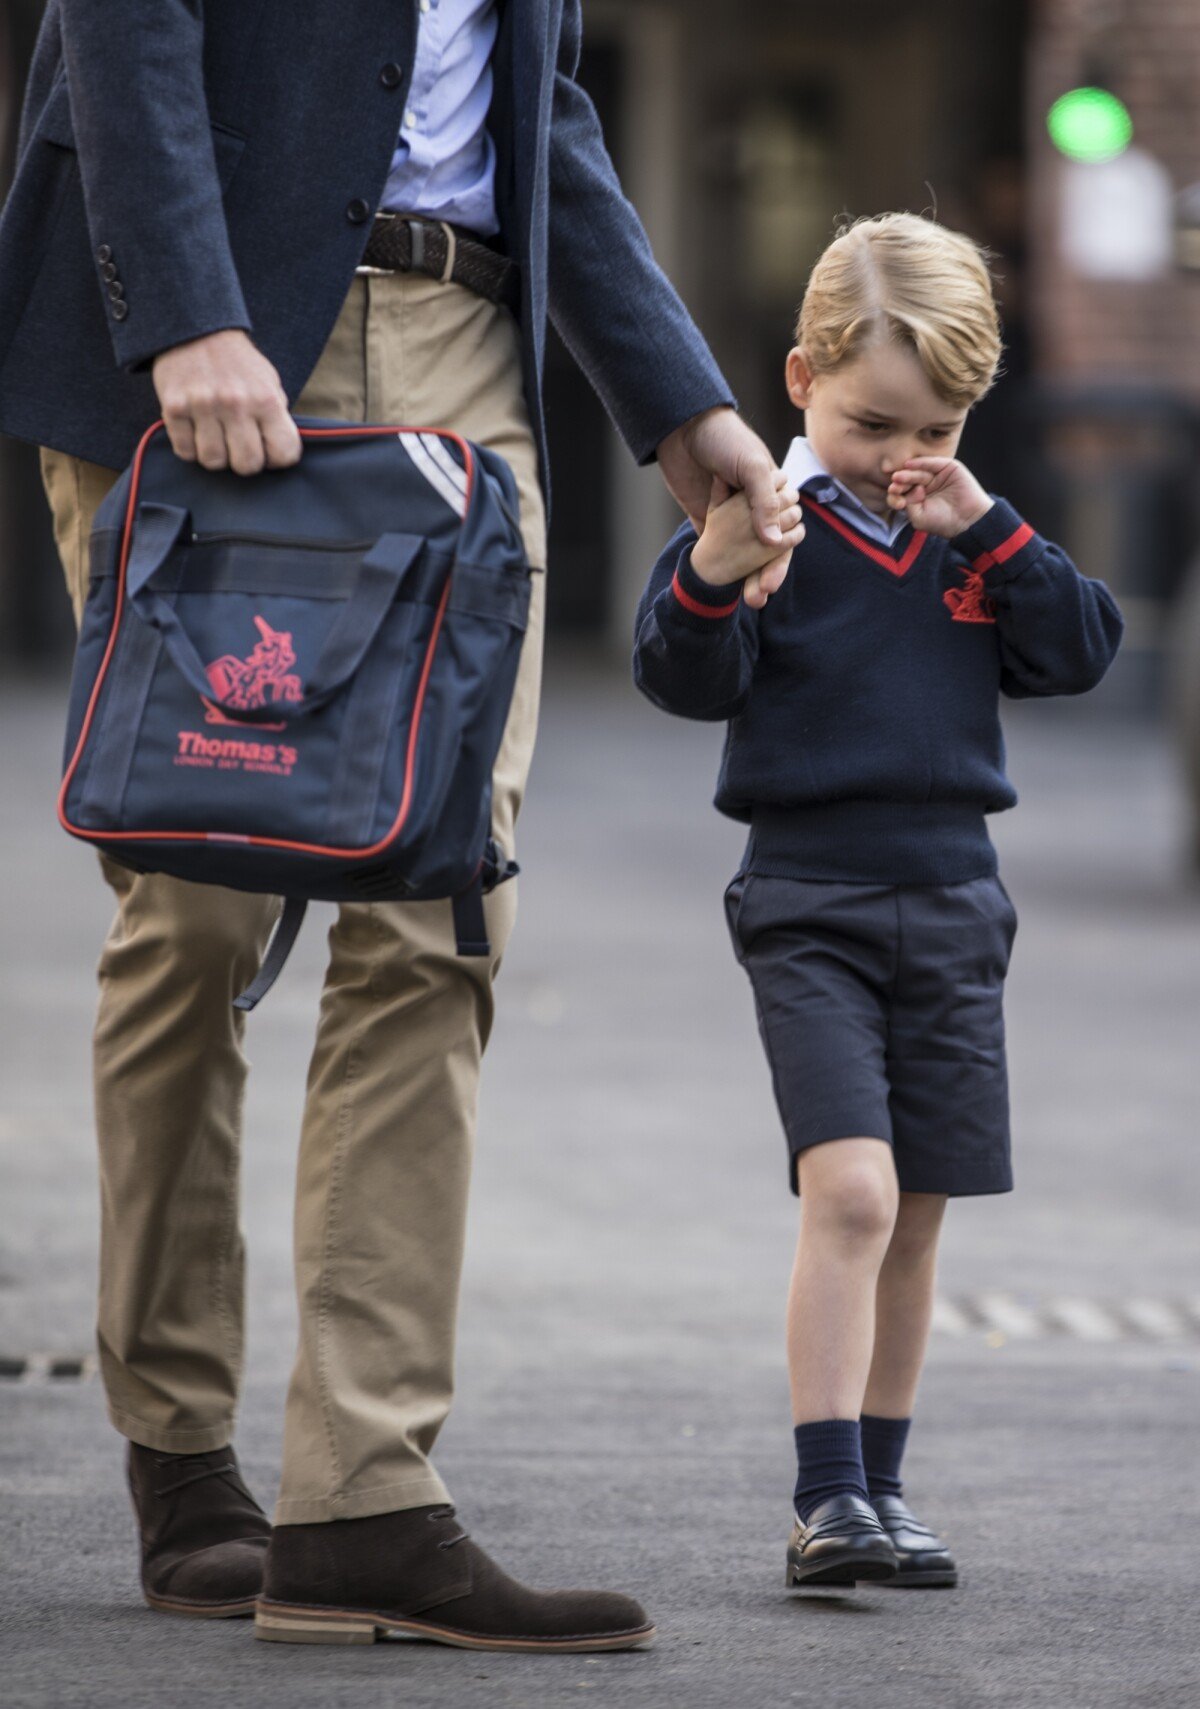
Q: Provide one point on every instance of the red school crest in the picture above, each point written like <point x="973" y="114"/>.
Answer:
<point x="263" y="678"/>
<point x="969" y="603"/>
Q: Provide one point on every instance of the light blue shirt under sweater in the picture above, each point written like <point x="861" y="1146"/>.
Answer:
<point x="444" y="166"/>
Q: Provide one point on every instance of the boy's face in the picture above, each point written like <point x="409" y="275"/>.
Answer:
<point x="869" y="416"/>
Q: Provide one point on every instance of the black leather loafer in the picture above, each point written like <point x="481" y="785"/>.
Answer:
<point x="842" y="1543"/>
<point x="924" y="1560"/>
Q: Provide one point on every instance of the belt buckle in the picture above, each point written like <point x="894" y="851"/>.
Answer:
<point x="364" y="272"/>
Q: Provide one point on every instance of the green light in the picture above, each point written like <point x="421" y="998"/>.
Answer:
<point x="1090" y="124"/>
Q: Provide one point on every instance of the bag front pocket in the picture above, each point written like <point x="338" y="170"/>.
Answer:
<point x="225" y="712"/>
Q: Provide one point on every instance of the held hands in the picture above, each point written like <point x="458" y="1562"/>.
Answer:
<point x="730" y="548"/>
<point x="223" y="405"/>
<point x="717" y="447"/>
<point x="939" y="495"/>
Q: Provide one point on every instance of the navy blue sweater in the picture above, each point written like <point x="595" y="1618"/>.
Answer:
<point x="864" y="737"/>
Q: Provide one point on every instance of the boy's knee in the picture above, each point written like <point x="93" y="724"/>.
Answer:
<point x="857" y="1202"/>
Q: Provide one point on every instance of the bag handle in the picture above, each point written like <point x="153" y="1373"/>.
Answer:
<point x="377" y="580"/>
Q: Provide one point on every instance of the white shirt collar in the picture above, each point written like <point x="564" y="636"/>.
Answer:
<point x="807" y="473"/>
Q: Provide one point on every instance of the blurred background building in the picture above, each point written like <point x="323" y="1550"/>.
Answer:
<point x="742" y="134"/>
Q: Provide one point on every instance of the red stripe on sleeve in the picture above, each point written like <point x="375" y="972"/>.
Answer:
<point x="1006" y="549"/>
<point x="696" y="608"/>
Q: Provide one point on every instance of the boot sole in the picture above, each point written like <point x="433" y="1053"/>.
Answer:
<point x="849" y="1569"/>
<point x="276" y="1623"/>
<point x="201" y="1610"/>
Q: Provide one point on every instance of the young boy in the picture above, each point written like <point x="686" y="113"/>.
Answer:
<point x="864" y="750"/>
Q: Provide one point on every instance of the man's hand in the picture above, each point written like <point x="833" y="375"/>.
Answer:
<point x="939" y="495"/>
<point x="719" y="444"/>
<point x="224" y="406"/>
<point x="729" y="549"/>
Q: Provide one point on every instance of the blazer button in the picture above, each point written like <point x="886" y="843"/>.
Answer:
<point x="358" y="211"/>
<point x="103" y="254"/>
<point x="109" y="270"/>
<point x="120" y="310"/>
<point x="391" y="76"/>
<point x="116" y="290"/>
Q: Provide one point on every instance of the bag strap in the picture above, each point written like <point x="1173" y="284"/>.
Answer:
<point x="283" y="939"/>
<point x="377" y="580"/>
<point x="470" y="923"/>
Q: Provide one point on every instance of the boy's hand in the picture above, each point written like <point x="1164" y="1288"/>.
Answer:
<point x="939" y="495"/>
<point x="729" y="548"/>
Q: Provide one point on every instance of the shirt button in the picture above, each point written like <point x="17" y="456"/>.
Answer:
<point x="104" y="253"/>
<point x="424" y="5"/>
<point x="120" y="310"/>
<point x="391" y="76"/>
<point x="358" y="211"/>
<point x="410" y="119"/>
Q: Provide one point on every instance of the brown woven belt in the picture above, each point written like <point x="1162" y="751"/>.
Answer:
<point x="401" y="243"/>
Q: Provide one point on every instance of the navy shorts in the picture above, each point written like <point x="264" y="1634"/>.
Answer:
<point x="881" y="1012"/>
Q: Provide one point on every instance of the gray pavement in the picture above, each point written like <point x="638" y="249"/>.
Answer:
<point x="622" y="1412"/>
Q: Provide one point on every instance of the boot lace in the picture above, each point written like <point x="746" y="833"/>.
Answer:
<point x="447" y="1512"/>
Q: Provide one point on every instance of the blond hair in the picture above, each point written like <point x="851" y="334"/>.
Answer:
<point x="908" y="279"/>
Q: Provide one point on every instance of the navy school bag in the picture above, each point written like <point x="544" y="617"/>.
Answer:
<point x="297" y="683"/>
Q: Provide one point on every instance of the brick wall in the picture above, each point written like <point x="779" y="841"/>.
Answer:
<point x="1111" y="329"/>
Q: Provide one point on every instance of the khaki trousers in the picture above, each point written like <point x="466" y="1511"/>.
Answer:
<point x="385" y="1149"/>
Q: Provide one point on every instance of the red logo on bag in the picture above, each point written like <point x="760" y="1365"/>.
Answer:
<point x="969" y="603"/>
<point x="261" y="679"/>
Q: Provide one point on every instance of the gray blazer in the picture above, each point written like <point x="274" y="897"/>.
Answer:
<point x="221" y="160"/>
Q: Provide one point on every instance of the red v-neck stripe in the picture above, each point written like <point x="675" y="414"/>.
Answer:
<point x="897" y="566"/>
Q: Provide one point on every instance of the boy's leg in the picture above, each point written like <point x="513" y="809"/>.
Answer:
<point x="949" y="1108"/>
<point x="904" y="1307"/>
<point x="848" y="1208"/>
<point x="903" y="1311"/>
<point x="820" y="957"/>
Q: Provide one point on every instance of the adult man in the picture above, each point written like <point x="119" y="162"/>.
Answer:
<point x="192" y="174"/>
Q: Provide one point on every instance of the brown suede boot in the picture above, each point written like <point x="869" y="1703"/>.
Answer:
<point x="416" y="1574"/>
<point x="204" y="1537"/>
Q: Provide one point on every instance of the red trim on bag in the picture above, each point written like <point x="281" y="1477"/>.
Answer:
<point x="1005" y="550"/>
<point x="896" y="566"/>
<point x="372" y="432"/>
<point x="697" y="607"/>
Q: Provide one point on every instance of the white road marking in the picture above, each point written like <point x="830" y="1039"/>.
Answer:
<point x="1154" y="1318"/>
<point x="1083" y="1319"/>
<point x="1003" y="1313"/>
<point x="948" y="1319"/>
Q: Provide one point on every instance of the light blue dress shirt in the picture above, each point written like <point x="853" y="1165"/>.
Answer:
<point x="444" y="166"/>
<point x="807" y="473"/>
